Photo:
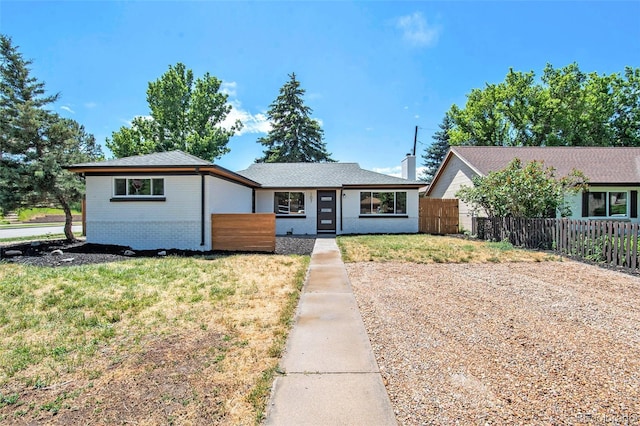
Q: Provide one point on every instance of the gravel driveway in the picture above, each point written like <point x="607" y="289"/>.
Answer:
<point x="517" y="343"/>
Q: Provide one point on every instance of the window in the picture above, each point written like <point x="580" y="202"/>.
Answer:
<point x="606" y="204"/>
<point x="288" y="203"/>
<point x="138" y="187"/>
<point x="386" y="203"/>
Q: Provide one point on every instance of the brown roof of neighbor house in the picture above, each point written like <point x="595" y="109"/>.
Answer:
<point x="602" y="165"/>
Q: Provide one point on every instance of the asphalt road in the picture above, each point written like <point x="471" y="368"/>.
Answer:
<point x="36" y="230"/>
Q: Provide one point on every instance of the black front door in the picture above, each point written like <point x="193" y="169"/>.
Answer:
<point x="326" y="211"/>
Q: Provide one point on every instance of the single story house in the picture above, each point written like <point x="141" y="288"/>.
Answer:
<point x="613" y="173"/>
<point x="166" y="199"/>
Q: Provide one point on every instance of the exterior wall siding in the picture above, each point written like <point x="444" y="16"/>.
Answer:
<point x="228" y="197"/>
<point x="149" y="235"/>
<point x="575" y="202"/>
<point x="352" y="223"/>
<point x="298" y="225"/>
<point x="454" y="176"/>
<point x="174" y="223"/>
<point x="223" y="196"/>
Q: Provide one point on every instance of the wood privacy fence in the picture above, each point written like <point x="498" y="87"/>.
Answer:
<point x="438" y="216"/>
<point x="614" y="243"/>
<point x="244" y="232"/>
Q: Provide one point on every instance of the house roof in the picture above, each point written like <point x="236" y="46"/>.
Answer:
<point x="601" y="165"/>
<point x="170" y="161"/>
<point x="321" y="175"/>
<point x="158" y="159"/>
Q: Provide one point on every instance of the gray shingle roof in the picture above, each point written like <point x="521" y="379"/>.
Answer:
<point x="318" y="175"/>
<point x="158" y="159"/>
<point x="269" y="175"/>
<point x="604" y="165"/>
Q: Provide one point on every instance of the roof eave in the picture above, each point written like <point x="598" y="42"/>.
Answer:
<point x="385" y="185"/>
<point x="212" y="169"/>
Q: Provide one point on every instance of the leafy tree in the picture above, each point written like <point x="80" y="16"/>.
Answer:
<point x="36" y="144"/>
<point x="435" y="153"/>
<point x="567" y="107"/>
<point x="625" y="123"/>
<point x="294" y="136"/>
<point x="185" y="114"/>
<point x="480" y="122"/>
<point x="522" y="191"/>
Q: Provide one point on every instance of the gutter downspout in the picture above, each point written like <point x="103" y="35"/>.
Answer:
<point x="341" y="202"/>
<point x="202" y="209"/>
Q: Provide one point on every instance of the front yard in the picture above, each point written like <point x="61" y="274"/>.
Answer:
<point x="497" y="341"/>
<point x="144" y="341"/>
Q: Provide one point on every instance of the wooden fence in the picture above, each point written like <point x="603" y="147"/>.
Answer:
<point x="614" y="243"/>
<point x="244" y="232"/>
<point x="438" y="216"/>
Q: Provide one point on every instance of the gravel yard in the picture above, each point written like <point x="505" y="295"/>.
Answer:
<point x="508" y="343"/>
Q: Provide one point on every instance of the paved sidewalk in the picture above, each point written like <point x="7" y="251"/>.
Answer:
<point x="331" y="376"/>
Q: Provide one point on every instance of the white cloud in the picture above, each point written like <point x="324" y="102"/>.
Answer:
<point x="417" y="31"/>
<point x="396" y="171"/>
<point x="229" y="88"/>
<point x="67" y="108"/>
<point x="90" y="105"/>
<point x="252" y="123"/>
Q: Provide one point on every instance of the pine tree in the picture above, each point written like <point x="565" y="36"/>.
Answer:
<point x="294" y="136"/>
<point x="436" y="152"/>
<point x="36" y="144"/>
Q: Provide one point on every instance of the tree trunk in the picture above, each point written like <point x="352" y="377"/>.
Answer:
<point x="68" y="219"/>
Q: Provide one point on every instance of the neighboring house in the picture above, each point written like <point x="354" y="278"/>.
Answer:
<point x="165" y="200"/>
<point x="613" y="173"/>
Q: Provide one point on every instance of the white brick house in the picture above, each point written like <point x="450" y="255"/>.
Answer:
<point x="165" y="200"/>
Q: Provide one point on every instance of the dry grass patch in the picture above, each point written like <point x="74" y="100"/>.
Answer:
<point x="147" y="341"/>
<point x="420" y="248"/>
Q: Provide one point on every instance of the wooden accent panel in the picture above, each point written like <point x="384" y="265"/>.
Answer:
<point x="244" y="232"/>
<point x="439" y="215"/>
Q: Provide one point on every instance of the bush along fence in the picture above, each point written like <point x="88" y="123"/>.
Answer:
<point x="614" y="243"/>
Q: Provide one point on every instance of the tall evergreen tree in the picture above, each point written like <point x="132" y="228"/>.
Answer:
<point x="435" y="153"/>
<point x="36" y="144"/>
<point x="294" y="136"/>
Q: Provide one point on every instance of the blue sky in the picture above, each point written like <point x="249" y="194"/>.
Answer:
<point x="372" y="71"/>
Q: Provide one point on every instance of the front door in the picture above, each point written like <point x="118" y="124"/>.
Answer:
<point x="326" y="212"/>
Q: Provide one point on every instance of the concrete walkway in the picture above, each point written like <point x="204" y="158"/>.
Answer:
<point x="331" y="376"/>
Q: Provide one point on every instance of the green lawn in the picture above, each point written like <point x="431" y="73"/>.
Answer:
<point x="421" y="248"/>
<point x="69" y="333"/>
<point x="25" y="214"/>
